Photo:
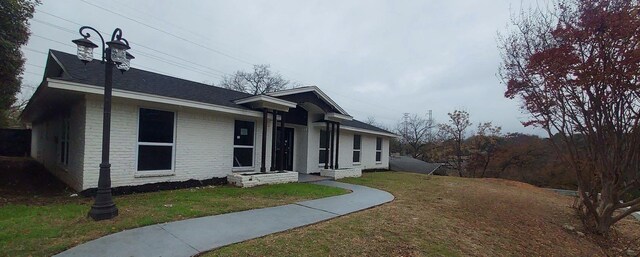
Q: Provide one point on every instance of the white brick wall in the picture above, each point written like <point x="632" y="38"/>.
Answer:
<point x="203" y="143"/>
<point x="45" y="143"/>
<point x="367" y="152"/>
<point x="341" y="173"/>
<point x="262" y="179"/>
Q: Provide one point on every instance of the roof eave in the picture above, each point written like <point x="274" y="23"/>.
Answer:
<point x="91" y="89"/>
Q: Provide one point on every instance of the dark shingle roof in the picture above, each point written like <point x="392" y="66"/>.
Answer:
<point x="409" y="164"/>
<point x="142" y="81"/>
<point x="362" y="125"/>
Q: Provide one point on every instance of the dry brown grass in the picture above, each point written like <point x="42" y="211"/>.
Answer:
<point x="447" y="216"/>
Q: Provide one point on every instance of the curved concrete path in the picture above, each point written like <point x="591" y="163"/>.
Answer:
<point x="193" y="236"/>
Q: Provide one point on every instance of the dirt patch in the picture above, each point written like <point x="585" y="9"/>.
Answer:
<point x="23" y="180"/>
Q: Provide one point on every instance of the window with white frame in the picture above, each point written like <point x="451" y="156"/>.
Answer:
<point x="378" y="149"/>
<point x="156" y="140"/>
<point x="357" y="146"/>
<point x="243" y="144"/>
<point x="63" y="151"/>
<point x="322" y="158"/>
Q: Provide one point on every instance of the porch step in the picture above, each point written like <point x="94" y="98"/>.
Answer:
<point x="303" y="178"/>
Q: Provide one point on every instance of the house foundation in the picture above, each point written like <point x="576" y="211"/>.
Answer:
<point x="256" y="179"/>
<point x="341" y="173"/>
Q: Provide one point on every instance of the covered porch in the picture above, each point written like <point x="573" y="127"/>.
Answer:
<point x="301" y="136"/>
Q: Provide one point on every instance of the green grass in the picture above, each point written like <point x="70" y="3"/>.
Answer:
<point x="43" y="230"/>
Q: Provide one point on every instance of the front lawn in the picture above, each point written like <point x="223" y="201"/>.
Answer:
<point x="43" y="228"/>
<point x="447" y="216"/>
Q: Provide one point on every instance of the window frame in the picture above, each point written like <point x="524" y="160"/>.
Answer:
<point x="359" y="150"/>
<point x="253" y="147"/>
<point x="65" y="130"/>
<point x="379" y="150"/>
<point x="156" y="173"/>
<point x="320" y="148"/>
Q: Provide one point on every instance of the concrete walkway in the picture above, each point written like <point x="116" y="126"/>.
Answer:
<point x="193" y="236"/>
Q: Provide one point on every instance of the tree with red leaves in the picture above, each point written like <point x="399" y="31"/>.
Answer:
<point x="576" y="69"/>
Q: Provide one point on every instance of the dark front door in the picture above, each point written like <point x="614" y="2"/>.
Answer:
<point x="288" y="149"/>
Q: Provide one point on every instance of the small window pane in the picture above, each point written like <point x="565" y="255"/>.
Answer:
<point x="155" y="126"/>
<point x="155" y="157"/>
<point x="378" y="143"/>
<point x="356" y="142"/>
<point x="323" y="139"/>
<point x="378" y="156"/>
<point x="243" y="134"/>
<point x="356" y="156"/>
<point x="323" y="156"/>
<point x="242" y="157"/>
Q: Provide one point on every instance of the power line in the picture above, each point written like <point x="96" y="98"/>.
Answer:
<point x="170" y="62"/>
<point x="105" y="9"/>
<point x="160" y="30"/>
<point x="33" y="73"/>
<point x="35" y="65"/>
<point x="33" y="50"/>
<point x="168" y="33"/>
<point x="132" y="43"/>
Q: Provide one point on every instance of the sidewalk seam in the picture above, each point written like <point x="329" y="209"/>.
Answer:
<point x="176" y="237"/>
<point x="337" y="214"/>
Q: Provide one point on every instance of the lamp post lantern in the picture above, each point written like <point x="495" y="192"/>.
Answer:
<point x="114" y="53"/>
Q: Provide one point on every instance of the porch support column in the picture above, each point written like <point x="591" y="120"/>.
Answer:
<point x="281" y="162"/>
<point x="337" y="144"/>
<point x="274" y="129"/>
<point x="263" y="160"/>
<point x="326" y="153"/>
<point x="333" y="126"/>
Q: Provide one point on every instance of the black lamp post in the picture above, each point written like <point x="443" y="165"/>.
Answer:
<point x="115" y="54"/>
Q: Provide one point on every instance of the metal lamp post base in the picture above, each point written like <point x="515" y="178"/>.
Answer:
<point x="103" y="208"/>
<point x="103" y="212"/>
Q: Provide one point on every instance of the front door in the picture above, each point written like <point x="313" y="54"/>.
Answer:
<point x="288" y="149"/>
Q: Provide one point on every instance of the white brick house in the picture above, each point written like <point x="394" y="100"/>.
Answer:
<point x="166" y="129"/>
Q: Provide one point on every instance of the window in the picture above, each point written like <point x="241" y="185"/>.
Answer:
<point x="357" y="145"/>
<point x="243" y="144"/>
<point x="378" y="149"/>
<point x="64" y="142"/>
<point x="155" y="140"/>
<point x="323" y="147"/>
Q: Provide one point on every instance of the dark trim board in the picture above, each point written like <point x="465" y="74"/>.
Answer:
<point x="155" y="187"/>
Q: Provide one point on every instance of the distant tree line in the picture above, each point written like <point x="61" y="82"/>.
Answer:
<point x="482" y="151"/>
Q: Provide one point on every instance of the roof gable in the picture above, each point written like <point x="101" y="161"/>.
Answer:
<point x="306" y="94"/>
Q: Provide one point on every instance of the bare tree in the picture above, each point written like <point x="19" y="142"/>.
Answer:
<point x="484" y="145"/>
<point x="260" y="81"/>
<point x="455" y="132"/>
<point x="415" y="133"/>
<point x="576" y="70"/>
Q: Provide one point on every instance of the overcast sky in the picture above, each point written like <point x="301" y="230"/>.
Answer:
<point x="374" y="58"/>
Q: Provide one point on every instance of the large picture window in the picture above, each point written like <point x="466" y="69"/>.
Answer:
<point x="323" y="147"/>
<point x="155" y="140"/>
<point x="243" y="144"/>
<point x="357" y="146"/>
<point x="378" y="149"/>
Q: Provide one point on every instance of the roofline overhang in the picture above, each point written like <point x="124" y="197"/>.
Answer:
<point x="91" y="89"/>
<point x="322" y="124"/>
<point x="265" y="101"/>
<point x="332" y="116"/>
<point x="314" y="89"/>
